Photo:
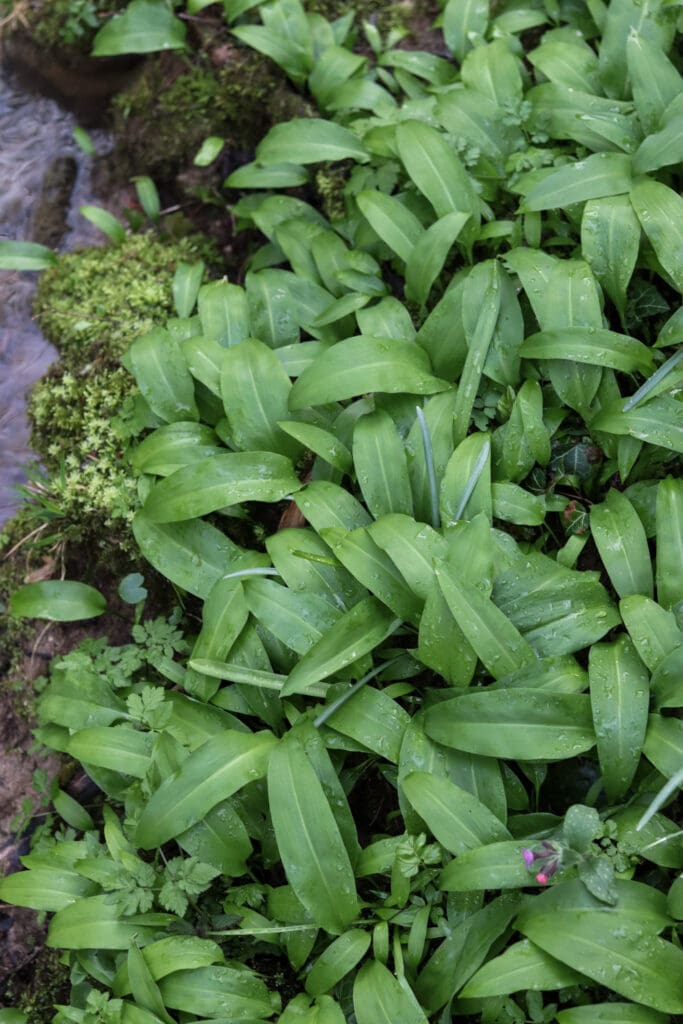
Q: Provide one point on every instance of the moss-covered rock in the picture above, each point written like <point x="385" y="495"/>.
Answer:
<point x="81" y="437"/>
<point x="232" y="92"/>
<point x="95" y="301"/>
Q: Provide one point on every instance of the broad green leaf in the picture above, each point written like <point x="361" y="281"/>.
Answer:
<point x="25" y="256"/>
<point x="326" y="504"/>
<point x="224" y="313"/>
<point x="494" y="866"/>
<point x="659" y="422"/>
<point x="58" y="600"/>
<point x="653" y="629"/>
<point x="594" y="941"/>
<point x="306" y="563"/>
<point x="610" y="1013"/>
<point x="514" y="504"/>
<point x="663" y="745"/>
<point x="272" y="316"/>
<point x="522" y="967"/>
<point x="219" y="481"/>
<point x="105" y="221"/>
<point x="567" y="62"/>
<point x="456" y="818"/>
<point x="610" y="240"/>
<point x="442" y="645"/>
<point x="333" y="68"/>
<point x="224" y="615"/>
<point x="372" y="567"/>
<point x="560" y="674"/>
<point x="204" y="358"/>
<point x="79" y="700"/>
<point x="426" y="261"/>
<point x="660" y="212"/>
<point x="592" y="345"/>
<point x="356" y="633"/>
<point x="622" y="545"/>
<point x="480" y="315"/>
<point x="496" y="641"/>
<point x="378" y="998"/>
<point x="522" y="723"/>
<point x="232" y="993"/>
<point x="442" y="335"/>
<point x="669" y="542"/>
<point x="620" y="694"/>
<point x="118" y="748"/>
<point x="309" y="140"/>
<point x="464" y="950"/>
<point x="163" y="377"/>
<point x="413" y="548"/>
<point x="255" y="390"/>
<point x="661" y="149"/>
<point x="465" y="490"/>
<point x="463" y="20"/>
<point x="436" y="170"/>
<point x="208" y="151"/>
<point x="219" y="839"/>
<point x="45" y="888"/>
<point x="358" y="365"/>
<point x="144" y="26"/>
<point x="173" y="953"/>
<point x="391" y="219"/>
<point x="298" y="620"/>
<point x="193" y="555"/>
<point x="593" y="121"/>
<point x="174" y="445"/>
<point x="213" y="772"/>
<point x="143" y="987"/>
<point x="651" y="22"/>
<point x="601" y="174"/>
<point x="252" y="175"/>
<point x="380" y="464"/>
<point x="321" y="442"/>
<point x="340" y="957"/>
<point x="494" y="71"/>
<point x="311" y="848"/>
<point x="372" y="718"/>
<point x="655" y="82"/>
<point x="94" y="922"/>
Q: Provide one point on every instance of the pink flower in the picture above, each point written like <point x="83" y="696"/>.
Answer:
<point x="542" y="878"/>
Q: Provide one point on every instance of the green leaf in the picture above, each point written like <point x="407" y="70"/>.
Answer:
<point x="311" y="848"/>
<point x="522" y="967"/>
<point x="338" y="960"/>
<point x="309" y="140"/>
<point x="456" y="818"/>
<point x="655" y="82"/>
<point x="567" y="62"/>
<point x="223" y="312"/>
<point x="654" y="630"/>
<point x="436" y="170"/>
<point x="233" y="993"/>
<point x="58" y="600"/>
<point x="361" y="364"/>
<point x="186" y="283"/>
<point x="513" y="504"/>
<point x="621" y="542"/>
<point x="622" y="20"/>
<point x="426" y="261"/>
<point x="663" y="745"/>
<point x="620" y="694"/>
<point x="660" y="212"/>
<point x="321" y="442"/>
<point x="210" y="148"/>
<point x="594" y="941"/>
<point x="298" y="620"/>
<point x="592" y="345"/>
<point x="213" y="772"/>
<point x="173" y="953"/>
<point x="272" y="314"/>
<point x="45" y="888"/>
<point x="610" y="241"/>
<point x="610" y="1013"/>
<point x="219" y="481"/>
<point x="174" y="445"/>
<point x="118" y="748"/>
<point x="144" y="26"/>
<point x="463" y="21"/>
<point x="494" y="866"/>
<point x="380" y="463"/>
<point x="252" y="175"/>
<point x="659" y="422"/>
<point x="480" y="316"/>
<point x="378" y="998"/>
<point x="373" y="719"/>
<point x="493" y="71"/>
<point x="601" y="174"/>
<point x="143" y="986"/>
<point x="413" y="548"/>
<point x="193" y="555"/>
<point x="391" y="219"/>
<point x="105" y="221"/>
<point x="25" y="256"/>
<point x="255" y="390"/>
<point x="518" y="723"/>
<point x="669" y="542"/>
<point x="356" y="633"/>
<point x="496" y="641"/>
<point x="163" y="377"/>
<point x="94" y="922"/>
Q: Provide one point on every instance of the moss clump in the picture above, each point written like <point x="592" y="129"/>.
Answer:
<point x="95" y="301"/>
<point x="82" y="439"/>
<point x="163" y="118"/>
<point x="47" y="985"/>
<point x="69" y="24"/>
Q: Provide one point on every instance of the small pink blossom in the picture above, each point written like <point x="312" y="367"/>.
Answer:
<point x="542" y="878"/>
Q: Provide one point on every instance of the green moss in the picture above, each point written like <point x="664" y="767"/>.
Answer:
<point x="89" y="489"/>
<point x="15" y="634"/>
<point x="70" y="24"/>
<point x="163" y="118"/>
<point x="47" y="986"/>
<point x="96" y="301"/>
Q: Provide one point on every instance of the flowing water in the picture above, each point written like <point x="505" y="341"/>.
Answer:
<point x="36" y="137"/>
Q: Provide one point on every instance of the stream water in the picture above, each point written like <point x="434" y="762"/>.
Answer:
<point x="36" y="136"/>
